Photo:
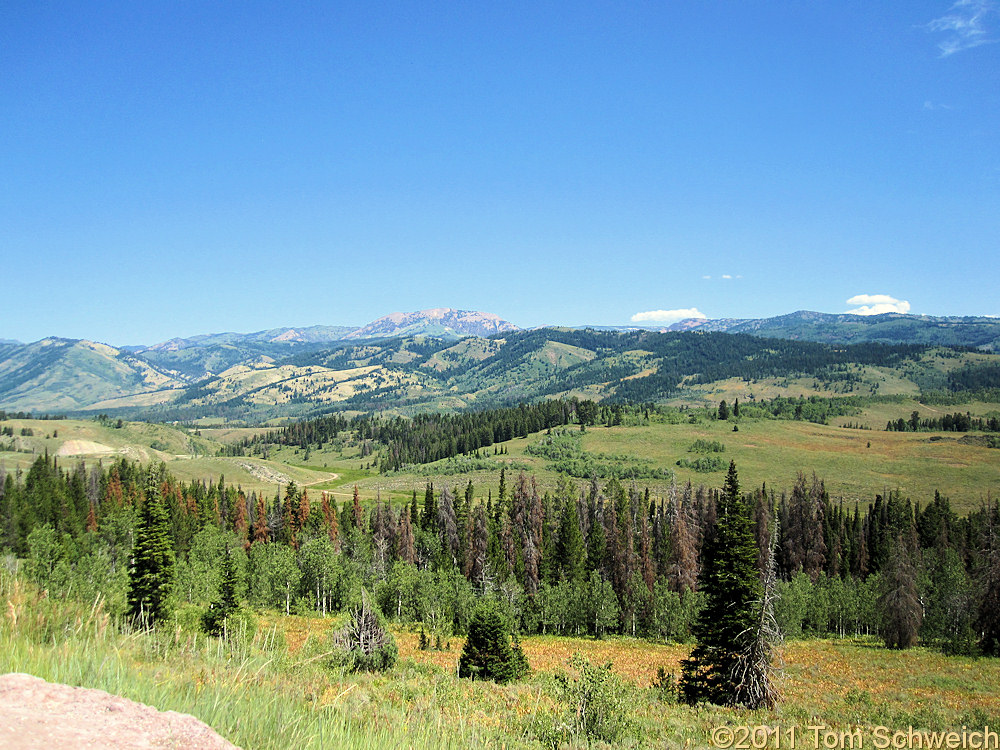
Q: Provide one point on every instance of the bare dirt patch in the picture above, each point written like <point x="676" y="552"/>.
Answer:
<point x="83" y="448"/>
<point x="39" y="714"/>
<point x="265" y="473"/>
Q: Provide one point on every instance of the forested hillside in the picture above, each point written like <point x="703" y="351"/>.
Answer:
<point x="892" y="328"/>
<point x="300" y="372"/>
<point x="585" y="558"/>
<point x="420" y="374"/>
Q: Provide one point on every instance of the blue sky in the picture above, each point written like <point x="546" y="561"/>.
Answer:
<point x="181" y="168"/>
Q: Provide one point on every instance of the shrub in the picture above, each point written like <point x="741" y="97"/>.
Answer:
<point x="706" y="446"/>
<point x="703" y="465"/>
<point x="597" y="702"/>
<point x="488" y="653"/>
<point x="237" y="625"/>
<point x="665" y="685"/>
<point x="364" y="644"/>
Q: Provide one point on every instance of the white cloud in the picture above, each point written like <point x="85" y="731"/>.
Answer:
<point x="667" y="316"/>
<point x="876" y="304"/>
<point x="706" y="277"/>
<point x="727" y="276"/>
<point x="965" y="25"/>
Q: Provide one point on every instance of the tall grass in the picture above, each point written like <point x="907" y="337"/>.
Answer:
<point x="258" y="692"/>
<point x="250" y="691"/>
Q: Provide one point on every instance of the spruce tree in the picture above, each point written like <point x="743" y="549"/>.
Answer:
<point x="988" y="619"/>
<point x="214" y="620"/>
<point x="899" y="599"/>
<point x="570" y="551"/>
<point x="488" y="653"/>
<point x="723" y="410"/>
<point x="151" y="568"/>
<point x="730" y="582"/>
<point x="429" y="516"/>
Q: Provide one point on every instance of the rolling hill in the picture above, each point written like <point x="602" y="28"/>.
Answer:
<point x="408" y="375"/>
<point x="441" y="359"/>
<point x="59" y="375"/>
<point x="889" y="328"/>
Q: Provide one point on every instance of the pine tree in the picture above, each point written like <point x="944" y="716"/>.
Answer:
<point x="479" y="553"/>
<point x="429" y="515"/>
<point x="405" y="546"/>
<point x="240" y="519"/>
<point x="357" y="514"/>
<point x="447" y="524"/>
<point x="732" y="588"/>
<point x="260" y="530"/>
<point x="682" y="568"/>
<point x="570" y="552"/>
<point x="214" y="620"/>
<point x="151" y="569"/>
<point x="899" y="599"/>
<point x="330" y="520"/>
<point x="488" y="653"/>
<point x="988" y="616"/>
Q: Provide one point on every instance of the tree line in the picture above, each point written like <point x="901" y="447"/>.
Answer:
<point x="957" y="422"/>
<point x="431" y="436"/>
<point x="591" y="558"/>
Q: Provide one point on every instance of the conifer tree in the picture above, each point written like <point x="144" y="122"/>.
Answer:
<point x="732" y="588"/>
<point x="447" y="524"/>
<point x="357" y="514"/>
<point x="405" y="546"/>
<point x="330" y="520"/>
<point x="682" y="568"/>
<point x="214" y="620"/>
<point x="723" y="410"/>
<point x="570" y="553"/>
<point x="429" y="516"/>
<point x="479" y="553"/>
<point x="240" y="519"/>
<point x="260" y="530"/>
<point x="988" y="619"/>
<point x="151" y="569"/>
<point x="488" y="653"/>
<point x="899" y="599"/>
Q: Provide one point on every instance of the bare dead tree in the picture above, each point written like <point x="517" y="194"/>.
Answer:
<point x="369" y="645"/>
<point x="754" y="670"/>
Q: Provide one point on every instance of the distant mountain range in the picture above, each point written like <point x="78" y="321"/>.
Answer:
<point x="445" y="359"/>
<point x="440" y="322"/>
<point x="890" y="328"/>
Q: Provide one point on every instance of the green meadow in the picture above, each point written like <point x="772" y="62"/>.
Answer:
<point x="855" y="464"/>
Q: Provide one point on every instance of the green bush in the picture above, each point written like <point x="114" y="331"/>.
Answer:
<point x="705" y="465"/>
<point x="237" y="625"/>
<point x="706" y="446"/>
<point x="666" y="687"/>
<point x="596" y="703"/>
<point x="363" y="644"/>
<point x="488" y="653"/>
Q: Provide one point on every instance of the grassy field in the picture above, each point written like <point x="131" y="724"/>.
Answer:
<point x="854" y="463"/>
<point x="187" y="454"/>
<point x="274" y="690"/>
